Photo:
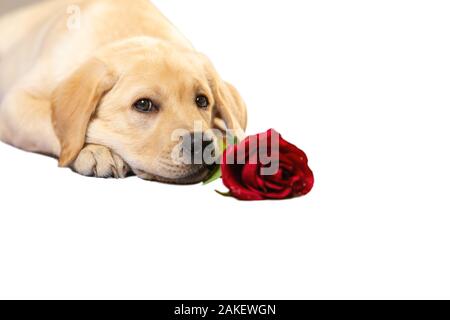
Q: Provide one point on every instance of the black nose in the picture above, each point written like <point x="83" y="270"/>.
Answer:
<point x="195" y="145"/>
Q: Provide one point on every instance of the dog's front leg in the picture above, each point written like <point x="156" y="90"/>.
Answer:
<point x="99" y="161"/>
<point x="25" y="122"/>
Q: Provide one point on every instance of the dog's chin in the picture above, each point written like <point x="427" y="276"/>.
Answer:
<point x="194" y="176"/>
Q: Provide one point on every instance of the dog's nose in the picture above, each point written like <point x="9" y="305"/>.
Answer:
<point x="195" y="144"/>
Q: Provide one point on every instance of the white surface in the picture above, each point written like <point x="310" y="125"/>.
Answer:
<point x="361" y="86"/>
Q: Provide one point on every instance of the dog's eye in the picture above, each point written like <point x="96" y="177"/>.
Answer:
<point x="202" y="102"/>
<point x="144" y="105"/>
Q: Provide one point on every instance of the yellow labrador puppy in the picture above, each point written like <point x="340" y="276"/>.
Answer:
<point x="104" y="84"/>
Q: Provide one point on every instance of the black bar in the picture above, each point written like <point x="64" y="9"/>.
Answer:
<point x="226" y="310"/>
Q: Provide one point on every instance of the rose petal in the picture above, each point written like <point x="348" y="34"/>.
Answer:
<point x="231" y="176"/>
<point x="249" y="175"/>
<point x="286" y="193"/>
<point x="273" y="186"/>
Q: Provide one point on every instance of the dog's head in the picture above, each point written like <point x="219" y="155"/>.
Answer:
<point x="148" y="101"/>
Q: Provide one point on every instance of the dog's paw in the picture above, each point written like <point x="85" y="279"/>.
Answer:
<point x="98" y="161"/>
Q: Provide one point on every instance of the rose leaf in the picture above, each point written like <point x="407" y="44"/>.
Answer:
<point x="216" y="175"/>
<point x="217" y="172"/>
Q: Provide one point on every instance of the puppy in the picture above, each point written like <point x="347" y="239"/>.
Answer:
<point x="104" y="85"/>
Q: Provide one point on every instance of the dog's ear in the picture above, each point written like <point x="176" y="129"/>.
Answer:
<point x="230" y="109"/>
<point x="74" y="102"/>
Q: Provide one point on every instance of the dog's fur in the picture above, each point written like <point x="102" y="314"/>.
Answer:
<point x="67" y="91"/>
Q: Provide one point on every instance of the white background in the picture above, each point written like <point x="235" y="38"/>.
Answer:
<point x="361" y="86"/>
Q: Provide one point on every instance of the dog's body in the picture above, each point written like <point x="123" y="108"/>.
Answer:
<point x="66" y="68"/>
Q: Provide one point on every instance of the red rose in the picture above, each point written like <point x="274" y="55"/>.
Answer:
<point x="246" y="170"/>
